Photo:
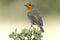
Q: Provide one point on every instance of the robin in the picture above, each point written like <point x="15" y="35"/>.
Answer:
<point x="34" y="15"/>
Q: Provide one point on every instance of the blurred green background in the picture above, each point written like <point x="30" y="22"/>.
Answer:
<point x="15" y="10"/>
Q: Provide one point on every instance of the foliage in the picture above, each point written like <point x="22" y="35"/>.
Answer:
<point x="26" y="34"/>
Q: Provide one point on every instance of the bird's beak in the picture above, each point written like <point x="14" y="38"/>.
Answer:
<point x="25" y="5"/>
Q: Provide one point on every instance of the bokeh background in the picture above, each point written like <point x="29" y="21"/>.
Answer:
<point x="13" y="15"/>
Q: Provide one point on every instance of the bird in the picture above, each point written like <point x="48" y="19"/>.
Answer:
<point x="34" y="15"/>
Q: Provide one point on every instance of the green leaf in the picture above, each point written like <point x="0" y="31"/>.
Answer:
<point x="16" y="38"/>
<point x="26" y="33"/>
<point x="11" y="35"/>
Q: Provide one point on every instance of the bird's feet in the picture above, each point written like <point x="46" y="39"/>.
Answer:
<point x="30" y="27"/>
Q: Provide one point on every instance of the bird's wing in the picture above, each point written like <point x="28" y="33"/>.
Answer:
<point x="32" y="17"/>
<point x="38" y="17"/>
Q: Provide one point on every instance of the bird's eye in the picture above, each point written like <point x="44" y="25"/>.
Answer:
<point x="29" y="4"/>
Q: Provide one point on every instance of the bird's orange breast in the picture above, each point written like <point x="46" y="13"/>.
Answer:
<point x="29" y="8"/>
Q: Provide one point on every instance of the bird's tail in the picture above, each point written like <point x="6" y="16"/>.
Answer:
<point x="41" y="28"/>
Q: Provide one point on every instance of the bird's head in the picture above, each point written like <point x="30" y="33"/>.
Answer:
<point x="29" y="6"/>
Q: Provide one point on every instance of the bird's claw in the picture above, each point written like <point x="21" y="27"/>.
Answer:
<point x="30" y="27"/>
